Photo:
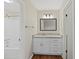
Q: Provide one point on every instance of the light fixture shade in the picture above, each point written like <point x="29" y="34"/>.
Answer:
<point x="51" y="16"/>
<point x="44" y="16"/>
<point x="48" y="16"/>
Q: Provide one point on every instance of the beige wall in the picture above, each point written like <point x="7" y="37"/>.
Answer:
<point x="30" y="19"/>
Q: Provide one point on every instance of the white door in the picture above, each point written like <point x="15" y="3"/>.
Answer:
<point x="68" y="30"/>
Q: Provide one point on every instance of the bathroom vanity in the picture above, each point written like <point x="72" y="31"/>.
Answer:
<point x="48" y="44"/>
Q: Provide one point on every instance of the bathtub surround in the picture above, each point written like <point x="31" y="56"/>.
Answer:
<point x="14" y="40"/>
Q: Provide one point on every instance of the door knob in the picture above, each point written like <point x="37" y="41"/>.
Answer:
<point x="66" y="15"/>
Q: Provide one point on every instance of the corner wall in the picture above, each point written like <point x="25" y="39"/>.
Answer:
<point x="29" y="27"/>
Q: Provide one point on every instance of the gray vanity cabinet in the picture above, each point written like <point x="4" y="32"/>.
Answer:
<point x="48" y="45"/>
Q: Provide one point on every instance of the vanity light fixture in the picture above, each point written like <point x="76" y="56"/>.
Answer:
<point x="48" y="16"/>
<point x="51" y="16"/>
<point x="44" y="16"/>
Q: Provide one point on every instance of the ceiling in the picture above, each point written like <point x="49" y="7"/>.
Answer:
<point x="47" y="4"/>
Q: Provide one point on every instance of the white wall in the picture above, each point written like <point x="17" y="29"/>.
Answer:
<point x="30" y="19"/>
<point x="47" y="4"/>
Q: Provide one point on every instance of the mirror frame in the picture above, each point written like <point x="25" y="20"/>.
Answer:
<point x="48" y="19"/>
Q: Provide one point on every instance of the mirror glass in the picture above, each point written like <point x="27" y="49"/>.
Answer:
<point x="48" y="24"/>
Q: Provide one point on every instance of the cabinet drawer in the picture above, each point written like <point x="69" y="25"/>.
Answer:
<point x="56" y="50"/>
<point x="55" y="40"/>
<point x="56" y="44"/>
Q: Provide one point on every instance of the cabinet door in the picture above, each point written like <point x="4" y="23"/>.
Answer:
<point x="46" y="45"/>
<point x="40" y="46"/>
<point x="37" y="45"/>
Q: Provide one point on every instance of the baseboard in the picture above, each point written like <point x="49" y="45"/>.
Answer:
<point x="31" y="56"/>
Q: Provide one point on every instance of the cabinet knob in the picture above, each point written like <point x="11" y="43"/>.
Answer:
<point x="41" y="44"/>
<point x="19" y="39"/>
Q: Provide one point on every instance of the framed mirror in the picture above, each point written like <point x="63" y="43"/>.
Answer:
<point x="48" y="24"/>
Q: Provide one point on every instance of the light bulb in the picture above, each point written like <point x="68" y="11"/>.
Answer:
<point x="48" y="16"/>
<point x="44" y="16"/>
<point x="51" y="16"/>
